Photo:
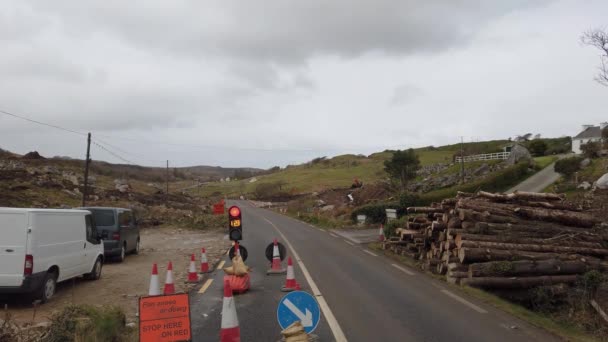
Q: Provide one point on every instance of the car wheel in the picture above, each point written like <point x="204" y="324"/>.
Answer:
<point x="49" y="286"/>
<point x="96" y="271"/>
<point x="136" y="250"/>
<point x="123" y="253"/>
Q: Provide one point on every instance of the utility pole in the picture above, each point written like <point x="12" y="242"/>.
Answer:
<point x="167" y="192"/>
<point x="462" y="159"/>
<point x="86" y="171"/>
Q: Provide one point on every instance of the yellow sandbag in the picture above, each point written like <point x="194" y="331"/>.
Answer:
<point x="238" y="267"/>
<point x="295" y="333"/>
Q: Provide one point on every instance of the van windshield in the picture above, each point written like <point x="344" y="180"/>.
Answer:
<point x="104" y="218"/>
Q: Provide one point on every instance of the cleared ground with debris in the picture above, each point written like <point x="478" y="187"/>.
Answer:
<point x="122" y="283"/>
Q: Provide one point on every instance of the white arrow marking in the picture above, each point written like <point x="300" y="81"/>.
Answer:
<point x="306" y="319"/>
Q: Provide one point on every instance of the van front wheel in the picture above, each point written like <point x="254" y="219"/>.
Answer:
<point x="96" y="271"/>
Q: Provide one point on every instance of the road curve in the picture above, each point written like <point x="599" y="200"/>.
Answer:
<point x="371" y="297"/>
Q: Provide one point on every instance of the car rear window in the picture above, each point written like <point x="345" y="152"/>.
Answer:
<point x="104" y="218"/>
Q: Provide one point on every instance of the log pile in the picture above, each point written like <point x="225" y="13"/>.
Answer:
<point x="504" y="241"/>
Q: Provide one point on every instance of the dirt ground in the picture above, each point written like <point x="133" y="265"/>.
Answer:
<point x="122" y="283"/>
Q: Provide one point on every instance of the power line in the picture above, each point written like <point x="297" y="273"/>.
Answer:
<point x="112" y="153"/>
<point x="42" y="123"/>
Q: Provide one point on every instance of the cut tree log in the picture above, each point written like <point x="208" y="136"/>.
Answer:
<point x="424" y="210"/>
<point x="513" y="237"/>
<point x="538" y="196"/>
<point x="468" y="225"/>
<point x="457" y="274"/>
<point x="455" y="232"/>
<point x="517" y="282"/>
<point x="475" y="216"/>
<point x="490" y="207"/>
<point x="454" y="223"/>
<point x="438" y="226"/>
<point x="541" y="230"/>
<point x="559" y="216"/>
<point x="599" y="310"/>
<point x="521" y="196"/>
<point x="527" y="268"/>
<point x="534" y="248"/>
<point x="457" y="266"/>
<point x="472" y="255"/>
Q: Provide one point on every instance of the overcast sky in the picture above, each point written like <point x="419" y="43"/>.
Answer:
<point x="264" y="83"/>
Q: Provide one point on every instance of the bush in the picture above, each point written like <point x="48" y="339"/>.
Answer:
<point x="389" y="228"/>
<point x="538" y="148"/>
<point x="497" y="182"/>
<point x="568" y="166"/>
<point x="88" y="323"/>
<point x="591" y="149"/>
<point x="268" y="190"/>
<point x="591" y="281"/>
<point x="409" y="199"/>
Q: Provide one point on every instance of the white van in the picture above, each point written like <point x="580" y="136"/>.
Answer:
<point x="41" y="247"/>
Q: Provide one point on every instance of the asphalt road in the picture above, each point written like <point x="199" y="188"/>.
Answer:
<point x="370" y="297"/>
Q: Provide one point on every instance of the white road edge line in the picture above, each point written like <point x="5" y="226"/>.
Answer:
<point x="405" y="270"/>
<point x="334" y="235"/>
<point x="329" y="316"/>
<point x="370" y="253"/>
<point x="348" y="242"/>
<point x="465" y="302"/>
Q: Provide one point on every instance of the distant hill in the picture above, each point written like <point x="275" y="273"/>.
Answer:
<point x="338" y="172"/>
<point x="323" y="173"/>
<point x="145" y="173"/>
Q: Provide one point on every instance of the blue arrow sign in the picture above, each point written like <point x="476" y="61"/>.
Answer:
<point x="299" y="306"/>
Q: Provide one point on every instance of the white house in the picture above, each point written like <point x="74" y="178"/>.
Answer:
<point x="589" y="133"/>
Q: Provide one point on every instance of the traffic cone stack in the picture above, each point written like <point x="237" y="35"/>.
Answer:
<point x="169" y="285"/>
<point x="154" y="285"/>
<point x="230" y="331"/>
<point x="276" y="268"/>
<point x="192" y="275"/>
<point x="204" y="262"/>
<point x="381" y="233"/>
<point x="290" y="282"/>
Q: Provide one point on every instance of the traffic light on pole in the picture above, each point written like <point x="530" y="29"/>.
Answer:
<point x="236" y="223"/>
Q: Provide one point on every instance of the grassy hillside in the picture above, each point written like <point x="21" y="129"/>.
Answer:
<point x="340" y="171"/>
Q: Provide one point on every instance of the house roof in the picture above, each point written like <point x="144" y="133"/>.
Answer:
<point x="591" y="132"/>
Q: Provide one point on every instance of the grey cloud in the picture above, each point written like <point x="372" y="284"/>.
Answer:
<point x="404" y="94"/>
<point x="285" y="31"/>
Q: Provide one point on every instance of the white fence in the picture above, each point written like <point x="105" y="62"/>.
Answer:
<point x="487" y="156"/>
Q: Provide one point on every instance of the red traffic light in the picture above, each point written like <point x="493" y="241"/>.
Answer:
<point x="234" y="211"/>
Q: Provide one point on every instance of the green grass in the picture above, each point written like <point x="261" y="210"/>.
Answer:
<point x="543" y="162"/>
<point x="340" y="171"/>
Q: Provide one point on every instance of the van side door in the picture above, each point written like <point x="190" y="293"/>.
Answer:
<point x="13" y="247"/>
<point x="125" y="221"/>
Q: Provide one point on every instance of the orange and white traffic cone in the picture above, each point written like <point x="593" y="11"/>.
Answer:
<point x="230" y="331"/>
<point x="276" y="268"/>
<point x="381" y="233"/>
<point x="192" y="275"/>
<point x="204" y="262"/>
<point x="290" y="282"/>
<point x="237" y="249"/>
<point x="169" y="284"/>
<point x="154" y="285"/>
